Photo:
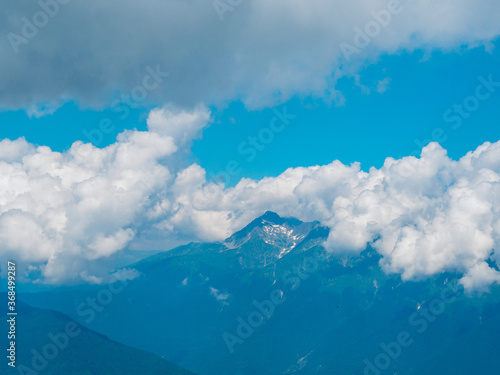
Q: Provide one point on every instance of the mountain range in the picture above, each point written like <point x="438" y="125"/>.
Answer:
<point x="49" y="342"/>
<point x="271" y="300"/>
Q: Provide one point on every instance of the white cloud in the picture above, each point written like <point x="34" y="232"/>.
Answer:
<point x="219" y="296"/>
<point x="84" y="204"/>
<point x="14" y="150"/>
<point x="66" y="212"/>
<point x="264" y="51"/>
<point x="480" y="277"/>
<point x="183" y="126"/>
<point x="383" y="85"/>
<point x="425" y="216"/>
<point x="125" y="274"/>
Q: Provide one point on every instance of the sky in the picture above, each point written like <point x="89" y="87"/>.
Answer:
<point x="368" y="127"/>
<point x="145" y="126"/>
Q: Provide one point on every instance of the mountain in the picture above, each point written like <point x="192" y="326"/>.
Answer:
<point x="59" y="346"/>
<point x="269" y="238"/>
<point x="270" y="300"/>
<point x="261" y="243"/>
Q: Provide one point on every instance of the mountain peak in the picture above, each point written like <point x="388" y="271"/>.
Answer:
<point x="276" y="235"/>
<point x="271" y="216"/>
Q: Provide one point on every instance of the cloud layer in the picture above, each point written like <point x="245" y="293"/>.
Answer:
<point x="259" y="51"/>
<point x="61" y="212"/>
<point x="62" y="209"/>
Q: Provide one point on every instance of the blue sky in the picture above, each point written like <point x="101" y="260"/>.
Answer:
<point x="205" y="86"/>
<point x="368" y="127"/>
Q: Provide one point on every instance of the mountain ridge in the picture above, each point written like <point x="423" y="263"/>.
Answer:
<point x="334" y="313"/>
<point x="272" y="235"/>
<point x="81" y="351"/>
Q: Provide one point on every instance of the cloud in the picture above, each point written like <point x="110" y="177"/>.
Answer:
<point x="183" y="126"/>
<point x="262" y="52"/>
<point x="64" y="213"/>
<point x="382" y="85"/>
<point x="14" y="150"/>
<point x="424" y="215"/>
<point x="480" y="277"/>
<point x="219" y="296"/>
<point x="65" y="209"/>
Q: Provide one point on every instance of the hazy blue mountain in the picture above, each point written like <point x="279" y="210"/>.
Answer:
<point x="59" y="346"/>
<point x="200" y="306"/>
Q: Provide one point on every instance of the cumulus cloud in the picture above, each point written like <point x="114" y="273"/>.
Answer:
<point x="183" y="126"/>
<point x="63" y="213"/>
<point x="262" y="52"/>
<point x="424" y="215"/>
<point x="63" y="209"/>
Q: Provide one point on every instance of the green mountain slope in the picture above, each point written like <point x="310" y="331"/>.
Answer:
<point x="196" y="305"/>
<point x="51" y="343"/>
